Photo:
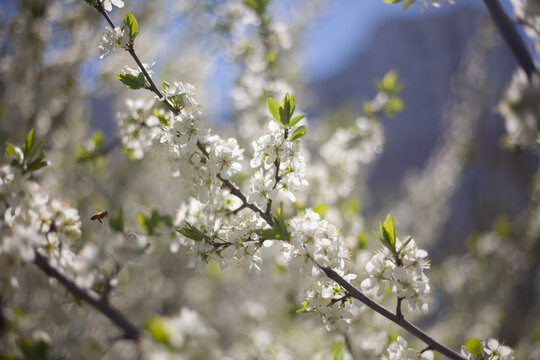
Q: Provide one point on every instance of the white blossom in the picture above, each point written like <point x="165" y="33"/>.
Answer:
<point x="108" y="4"/>
<point x="403" y="273"/>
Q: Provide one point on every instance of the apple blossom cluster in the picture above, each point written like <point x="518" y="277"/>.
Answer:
<point x="400" y="265"/>
<point x="183" y="336"/>
<point x="315" y="244"/>
<point x="399" y="350"/>
<point x="521" y="110"/>
<point x="475" y="349"/>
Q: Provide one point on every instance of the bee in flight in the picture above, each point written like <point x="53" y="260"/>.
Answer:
<point x="99" y="215"/>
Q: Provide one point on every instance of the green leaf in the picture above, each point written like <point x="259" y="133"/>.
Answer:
<point x="474" y="346"/>
<point x="38" y="163"/>
<point x="130" y="80"/>
<point x="388" y="234"/>
<point x="131" y="24"/>
<point x="141" y="79"/>
<point x="156" y="327"/>
<point x="30" y="138"/>
<point x="116" y="221"/>
<point x="279" y="231"/>
<point x="296" y="119"/>
<point x="406" y="4"/>
<point x="390" y="83"/>
<point x="161" y="117"/>
<point x="393" y="106"/>
<point x="274" y="109"/>
<point x="336" y="350"/>
<point x="193" y="233"/>
<point x="304" y="307"/>
<point x="321" y="209"/>
<point x="298" y="133"/>
<point x="11" y="150"/>
<point x="152" y="223"/>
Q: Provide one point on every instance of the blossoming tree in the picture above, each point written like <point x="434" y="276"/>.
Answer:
<point x="262" y="202"/>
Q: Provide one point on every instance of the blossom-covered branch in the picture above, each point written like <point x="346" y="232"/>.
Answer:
<point x="131" y="332"/>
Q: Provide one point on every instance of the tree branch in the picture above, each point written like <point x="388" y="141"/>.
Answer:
<point x="232" y="188"/>
<point x="131" y="332"/>
<point x="512" y="38"/>
<point x="411" y="328"/>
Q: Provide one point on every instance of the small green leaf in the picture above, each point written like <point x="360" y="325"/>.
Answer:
<point x="30" y="138"/>
<point x="390" y="83"/>
<point x="131" y="24"/>
<point x="130" y="80"/>
<point x="193" y="233"/>
<point x="156" y="327"/>
<point x="304" y="307"/>
<point x="321" y="209"/>
<point x="116" y="221"/>
<point x="38" y="163"/>
<point x="141" y="79"/>
<point x="393" y="106"/>
<point x="10" y="150"/>
<point x="474" y="346"/>
<point x="406" y="4"/>
<point x="296" y="119"/>
<point x="390" y="228"/>
<point x="298" y="133"/>
<point x="274" y="109"/>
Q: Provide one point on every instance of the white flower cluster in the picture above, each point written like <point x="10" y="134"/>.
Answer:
<point x="521" y="110"/>
<point x="227" y="238"/>
<point x="316" y="243"/>
<point x="492" y="349"/>
<point x="399" y="350"/>
<point x="184" y="336"/>
<point x="404" y="273"/>
<point x="34" y="221"/>
<point x="344" y="153"/>
<point x="138" y="127"/>
<point x="111" y="39"/>
<point x="270" y="150"/>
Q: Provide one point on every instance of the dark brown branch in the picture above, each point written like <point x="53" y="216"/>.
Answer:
<point x="131" y="332"/>
<point x="411" y="328"/>
<point x="512" y="38"/>
<point x="398" y="307"/>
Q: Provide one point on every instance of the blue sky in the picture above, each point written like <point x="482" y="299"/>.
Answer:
<point x="348" y="25"/>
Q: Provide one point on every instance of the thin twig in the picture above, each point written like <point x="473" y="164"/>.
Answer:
<point x="512" y="38"/>
<point x="131" y="332"/>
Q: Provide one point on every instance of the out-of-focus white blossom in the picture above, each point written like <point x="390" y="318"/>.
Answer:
<point x="184" y="337"/>
<point x="399" y="350"/>
<point x="521" y="110"/>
